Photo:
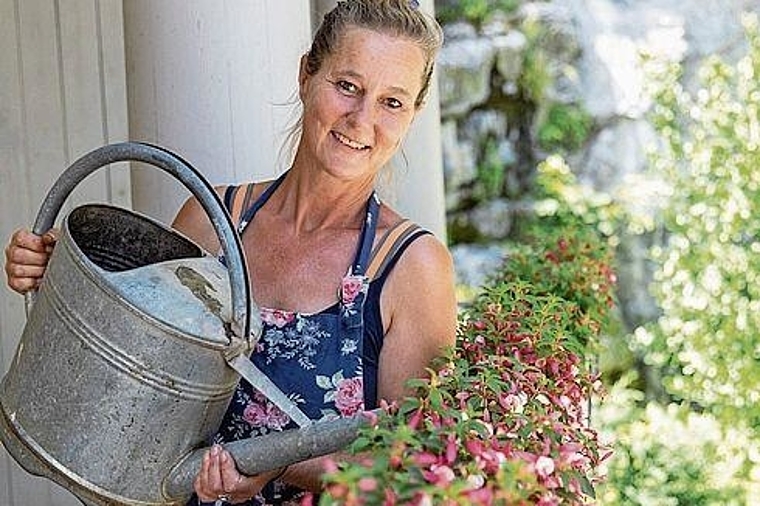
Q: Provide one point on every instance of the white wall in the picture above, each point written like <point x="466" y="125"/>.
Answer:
<point x="62" y="93"/>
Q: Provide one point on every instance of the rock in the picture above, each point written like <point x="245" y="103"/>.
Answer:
<point x="465" y="74"/>
<point x="473" y="263"/>
<point x="509" y="55"/>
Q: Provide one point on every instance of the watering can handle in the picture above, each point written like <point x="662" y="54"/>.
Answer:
<point x="192" y="180"/>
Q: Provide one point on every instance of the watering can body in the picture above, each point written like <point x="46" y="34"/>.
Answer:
<point x="120" y="393"/>
<point x="121" y="368"/>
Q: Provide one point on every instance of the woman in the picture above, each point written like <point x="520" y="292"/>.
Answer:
<point x="318" y="229"/>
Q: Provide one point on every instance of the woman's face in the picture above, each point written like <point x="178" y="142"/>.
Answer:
<point x="360" y="104"/>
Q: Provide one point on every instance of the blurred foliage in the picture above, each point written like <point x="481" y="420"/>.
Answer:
<point x="491" y="173"/>
<point x="708" y="283"/>
<point x="472" y="11"/>
<point x="564" y="128"/>
<point x="567" y="247"/>
<point x="671" y="455"/>
<point x="536" y="76"/>
<point x="702" y="446"/>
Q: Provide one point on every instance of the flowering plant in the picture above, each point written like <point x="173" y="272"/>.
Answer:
<point x="502" y="420"/>
<point x="503" y="417"/>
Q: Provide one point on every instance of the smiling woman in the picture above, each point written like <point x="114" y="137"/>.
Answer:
<point x="355" y="299"/>
<point x="363" y="99"/>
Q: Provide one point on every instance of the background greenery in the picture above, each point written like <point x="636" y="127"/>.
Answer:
<point x="684" y="422"/>
<point x="697" y="442"/>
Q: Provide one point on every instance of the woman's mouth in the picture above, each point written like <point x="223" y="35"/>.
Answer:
<point x="349" y="142"/>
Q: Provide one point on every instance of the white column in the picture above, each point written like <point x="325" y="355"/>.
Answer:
<point x="416" y="188"/>
<point x="211" y="81"/>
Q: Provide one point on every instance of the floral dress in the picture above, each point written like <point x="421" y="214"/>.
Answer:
<point x="315" y="359"/>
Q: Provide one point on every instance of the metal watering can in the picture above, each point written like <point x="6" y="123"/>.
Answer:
<point x="132" y="349"/>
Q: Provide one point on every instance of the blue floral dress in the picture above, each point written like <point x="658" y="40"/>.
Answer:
<point x="315" y="359"/>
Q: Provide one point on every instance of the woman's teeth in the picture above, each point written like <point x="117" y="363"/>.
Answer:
<point x="348" y="142"/>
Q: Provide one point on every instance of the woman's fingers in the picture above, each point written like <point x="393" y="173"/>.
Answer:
<point x="49" y="239"/>
<point x="231" y="478"/>
<point x="219" y="477"/>
<point x="208" y="483"/>
<point x="26" y="258"/>
<point x="24" y="239"/>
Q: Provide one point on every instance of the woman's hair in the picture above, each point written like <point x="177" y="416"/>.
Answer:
<point x="398" y="18"/>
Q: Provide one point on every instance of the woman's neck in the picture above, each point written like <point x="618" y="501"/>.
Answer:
<point x="311" y="200"/>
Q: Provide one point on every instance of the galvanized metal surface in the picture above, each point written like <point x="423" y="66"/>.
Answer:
<point x="272" y="451"/>
<point x="105" y="394"/>
<point x="193" y="180"/>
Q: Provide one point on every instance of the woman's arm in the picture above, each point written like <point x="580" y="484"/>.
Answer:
<point x="193" y="221"/>
<point x="419" y="309"/>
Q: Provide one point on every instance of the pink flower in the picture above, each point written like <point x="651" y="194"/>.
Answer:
<point x="276" y="418"/>
<point x="276" y="317"/>
<point x="544" y="466"/>
<point x="548" y="499"/>
<point x="255" y="414"/>
<point x="265" y="414"/>
<point x="350" y="287"/>
<point x="367" y="484"/>
<point x="424" y="459"/>
<point x="349" y="396"/>
<point x="439" y="475"/>
<point x="480" y="496"/>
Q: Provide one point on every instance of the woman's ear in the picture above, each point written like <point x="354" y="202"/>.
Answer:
<point x="303" y="77"/>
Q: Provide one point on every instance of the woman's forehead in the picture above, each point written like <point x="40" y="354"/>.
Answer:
<point x="370" y="53"/>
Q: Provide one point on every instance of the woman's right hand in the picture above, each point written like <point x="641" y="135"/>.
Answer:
<point x="26" y="258"/>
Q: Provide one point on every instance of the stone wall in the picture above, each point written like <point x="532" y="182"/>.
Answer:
<point x="501" y="82"/>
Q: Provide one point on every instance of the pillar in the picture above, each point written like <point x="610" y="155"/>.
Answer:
<point x="211" y="81"/>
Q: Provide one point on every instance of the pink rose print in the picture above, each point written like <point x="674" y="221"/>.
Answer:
<point x="255" y="414"/>
<point x="349" y="396"/>
<point x="265" y="415"/>
<point x="276" y="317"/>
<point x="351" y="286"/>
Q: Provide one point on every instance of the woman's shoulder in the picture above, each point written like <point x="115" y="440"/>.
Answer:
<point x="239" y="197"/>
<point x="423" y="252"/>
<point x="191" y="219"/>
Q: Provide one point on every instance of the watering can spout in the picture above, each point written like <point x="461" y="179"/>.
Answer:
<point x="278" y="449"/>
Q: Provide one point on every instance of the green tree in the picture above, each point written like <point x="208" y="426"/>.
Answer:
<point x="702" y="447"/>
<point x="708" y="283"/>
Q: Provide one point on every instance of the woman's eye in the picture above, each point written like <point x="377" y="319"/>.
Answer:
<point x="393" y="103"/>
<point x="348" y="87"/>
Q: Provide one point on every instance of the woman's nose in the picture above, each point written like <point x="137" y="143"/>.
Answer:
<point x="363" y="112"/>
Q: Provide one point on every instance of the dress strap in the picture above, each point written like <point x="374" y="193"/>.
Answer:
<point x="367" y="237"/>
<point x="237" y="198"/>
<point x="250" y="210"/>
<point x="393" y="241"/>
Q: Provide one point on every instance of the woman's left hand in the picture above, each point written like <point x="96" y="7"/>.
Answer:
<point x="219" y="479"/>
